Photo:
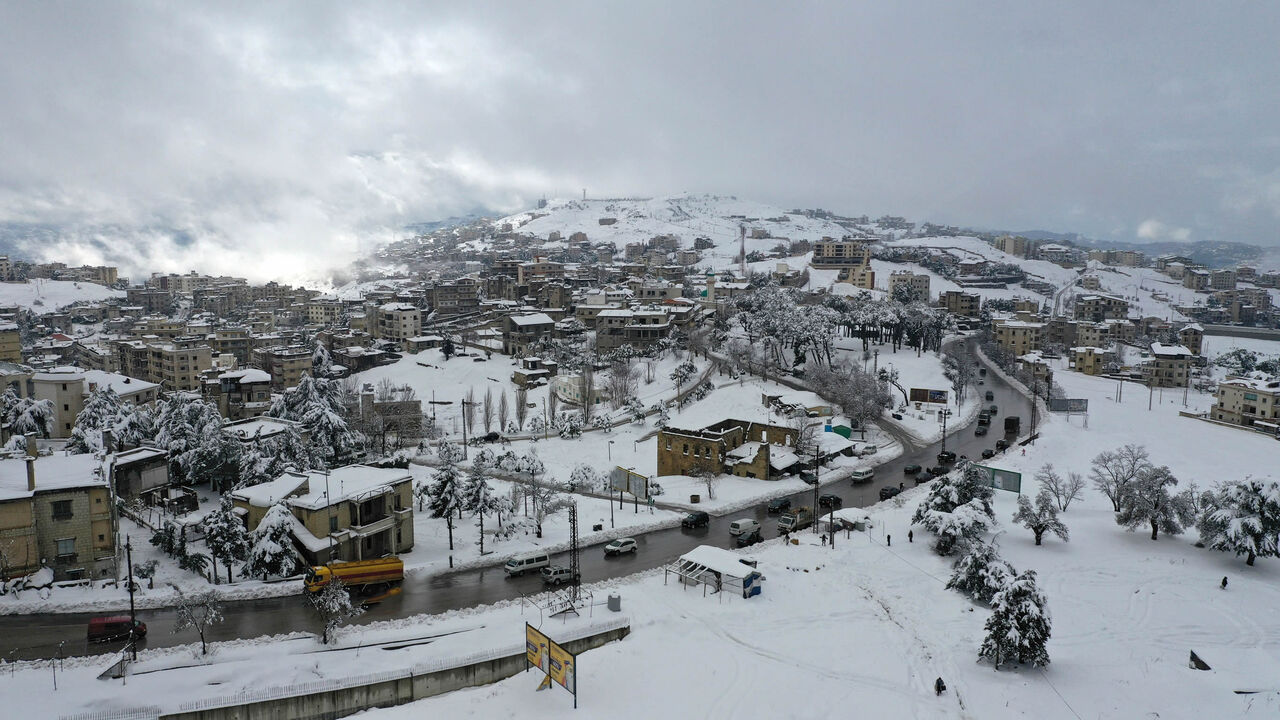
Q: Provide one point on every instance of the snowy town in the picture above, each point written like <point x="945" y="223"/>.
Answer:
<point x="616" y="360"/>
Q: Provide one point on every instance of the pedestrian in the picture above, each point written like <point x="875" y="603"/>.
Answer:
<point x="902" y="486"/>
<point x="1224" y="582"/>
<point x="888" y="540"/>
<point x="824" y="539"/>
<point x="1024" y="451"/>
<point x="910" y="536"/>
<point x="939" y="687"/>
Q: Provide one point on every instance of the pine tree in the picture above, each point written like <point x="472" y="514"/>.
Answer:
<point x="190" y="429"/>
<point x="101" y="412"/>
<point x="316" y="405"/>
<point x="1041" y="517"/>
<point x="333" y="605"/>
<point x="25" y="415"/>
<point x="271" y="550"/>
<point x="1148" y="500"/>
<point x="981" y="573"/>
<point x="136" y="426"/>
<point x="479" y="499"/>
<point x="447" y="497"/>
<point x="225" y="535"/>
<point x="953" y="490"/>
<point x="1244" y="519"/>
<point x="1019" y="627"/>
<point x="264" y="460"/>
<point x="583" y="477"/>
<point x="957" y="529"/>
<point x="321" y="361"/>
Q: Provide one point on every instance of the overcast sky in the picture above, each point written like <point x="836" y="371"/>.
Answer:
<point x="280" y="138"/>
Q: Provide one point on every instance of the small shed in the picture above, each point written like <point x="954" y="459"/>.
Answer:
<point x="717" y="569"/>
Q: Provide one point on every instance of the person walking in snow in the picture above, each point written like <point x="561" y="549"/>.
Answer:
<point x="910" y="536"/>
<point x="939" y="687"/>
<point x="1224" y="582"/>
<point x="888" y="540"/>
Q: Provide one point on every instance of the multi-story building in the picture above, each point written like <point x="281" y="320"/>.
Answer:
<point x="1127" y="258"/>
<point x="56" y="512"/>
<point x="521" y="331"/>
<point x="1090" y="360"/>
<point x="1019" y="337"/>
<point x="285" y="363"/>
<point x="1167" y="366"/>
<point x="1015" y="245"/>
<point x="831" y="253"/>
<point x="68" y="388"/>
<point x="10" y="343"/>
<point x="1192" y="337"/>
<point x="958" y="302"/>
<point x="861" y="276"/>
<point x="324" y="311"/>
<point x="240" y="394"/>
<point x="1247" y="401"/>
<point x="539" y="269"/>
<point x="151" y="300"/>
<point x="455" y="298"/>
<point x="917" y="284"/>
<point x="1196" y="279"/>
<point x="1222" y="279"/>
<point x="738" y="447"/>
<point x="351" y="513"/>
<point x="638" y="328"/>
<point x="1096" y="308"/>
<point x="1091" y="282"/>
<point x="398" y="322"/>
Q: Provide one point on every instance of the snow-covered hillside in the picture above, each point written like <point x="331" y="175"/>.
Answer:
<point x="686" y="216"/>
<point x="48" y="295"/>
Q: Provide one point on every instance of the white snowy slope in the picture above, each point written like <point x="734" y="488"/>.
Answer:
<point x="49" y="295"/>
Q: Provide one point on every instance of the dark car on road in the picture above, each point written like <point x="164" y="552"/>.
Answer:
<point x="980" y="430"/>
<point x="747" y="538"/>
<point x="1002" y="444"/>
<point x="923" y="477"/>
<point x="696" y="519"/>
<point x="939" y="470"/>
<point x="990" y="396"/>
<point x="911" y="470"/>
<point x="809" y="478"/>
<point x="988" y="453"/>
<point x="946" y="456"/>
<point x="992" y="409"/>
<point x="888" y="492"/>
<point x="828" y="500"/>
<point x="779" y="505"/>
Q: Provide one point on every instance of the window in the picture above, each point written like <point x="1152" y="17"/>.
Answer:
<point x="66" y="547"/>
<point x="686" y="448"/>
<point x="333" y="524"/>
<point x="65" y="406"/>
<point x="61" y="510"/>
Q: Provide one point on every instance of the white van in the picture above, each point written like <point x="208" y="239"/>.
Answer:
<point x="526" y="563"/>
<point x="862" y="475"/>
<point x="743" y="526"/>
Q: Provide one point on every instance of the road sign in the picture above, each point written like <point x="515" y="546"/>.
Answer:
<point x="1002" y="479"/>
<point x="1069" y="405"/>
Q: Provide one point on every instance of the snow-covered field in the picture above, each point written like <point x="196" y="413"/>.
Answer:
<point x="49" y="295"/>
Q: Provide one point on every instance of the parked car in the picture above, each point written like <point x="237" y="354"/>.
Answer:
<point x="779" y="505"/>
<point x="990" y="396"/>
<point x="746" y="539"/>
<point x="992" y="409"/>
<point x="910" y="469"/>
<point x="923" y="477"/>
<point x="1002" y="444"/>
<point x="939" y="470"/>
<point x="492" y="437"/>
<point x="809" y="477"/>
<point x="696" y="519"/>
<point x="980" y="430"/>
<point x="896" y="416"/>
<point x="619" y="546"/>
<point x="829" y="500"/>
<point x="946" y="456"/>
<point x="869" y="449"/>
<point x="888" y="491"/>
<point x="988" y="453"/>
<point x="556" y="574"/>
<point x="982" y="382"/>
<point x="982" y="372"/>
<point x="744" y="525"/>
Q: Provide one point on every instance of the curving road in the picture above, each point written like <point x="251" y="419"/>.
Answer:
<point x="38" y="636"/>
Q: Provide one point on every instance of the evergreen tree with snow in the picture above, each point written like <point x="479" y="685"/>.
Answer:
<point x="1149" y="500"/>
<point x="263" y="460"/>
<point x="480" y="500"/>
<point x="225" y="535"/>
<point x="980" y="573"/>
<point x="136" y="426"/>
<point x="583" y="477"/>
<point x="635" y="410"/>
<point x="966" y="484"/>
<point x="321" y="361"/>
<point x="25" y="415"/>
<point x="1244" y="518"/>
<point x="663" y="415"/>
<point x="190" y="429"/>
<point x="333" y="605"/>
<point x="447" y="496"/>
<point x="959" y="528"/>
<point x="316" y="404"/>
<point x="1019" y="627"/>
<point x="271" y="550"/>
<point x="1040" y="517"/>
<point x="100" y="412"/>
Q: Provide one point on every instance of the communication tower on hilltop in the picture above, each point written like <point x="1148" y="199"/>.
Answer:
<point x="742" y="249"/>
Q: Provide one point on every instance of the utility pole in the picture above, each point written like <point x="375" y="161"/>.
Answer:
<point x="465" y="404"/>
<point x="133" y="614"/>
<point x="328" y="500"/>
<point x="945" y="413"/>
<point x="817" y="465"/>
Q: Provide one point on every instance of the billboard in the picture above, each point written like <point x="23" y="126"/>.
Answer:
<point x="537" y="648"/>
<point x="564" y="668"/>
<point x="923" y="395"/>
<point x="1003" y="479"/>
<point x="560" y="665"/>
<point x="629" y="481"/>
<point x="1069" y="405"/>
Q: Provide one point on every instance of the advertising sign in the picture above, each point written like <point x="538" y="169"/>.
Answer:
<point x="560" y="665"/>
<point x="629" y="481"/>
<point x="537" y="648"/>
<point x="1003" y="479"/>
<point x="563" y="668"/>
<point x="1069" y="405"/>
<point x="925" y="395"/>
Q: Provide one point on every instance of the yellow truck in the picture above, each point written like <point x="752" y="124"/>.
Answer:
<point x="357" y="575"/>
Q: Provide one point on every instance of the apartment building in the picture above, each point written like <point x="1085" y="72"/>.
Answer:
<point x="1222" y="279"/>
<point x="286" y="364"/>
<point x="1015" y="245"/>
<point x="1247" y="400"/>
<point x="1167" y="366"/>
<point x="1096" y="308"/>
<point x="961" y="303"/>
<point x="521" y="331"/>
<point x="831" y="253"/>
<point x="737" y="447"/>
<point x="917" y="284"/>
<point x="324" y="311"/>
<point x="398" y="322"/>
<point x="56" y="512"/>
<point x="10" y="343"/>
<point x="240" y="394"/>
<point x="350" y="513"/>
<point x="150" y="299"/>
<point x="1196" y="279"/>
<point x="1017" y="336"/>
<point x="539" y="269"/>
<point x="68" y="388"/>
<point x="455" y="298"/>
<point x="1090" y="360"/>
<point x="1192" y="337"/>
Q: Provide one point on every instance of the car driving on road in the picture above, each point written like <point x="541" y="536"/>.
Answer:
<point x="779" y="505"/>
<point x="619" y="546"/>
<point x="831" y="501"/>
<point x="696" y="519"/>
<point x="910" y="469"/>
<point x="888" y="491"/>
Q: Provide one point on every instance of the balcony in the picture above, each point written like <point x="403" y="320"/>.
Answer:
<point x="374" y="527"/>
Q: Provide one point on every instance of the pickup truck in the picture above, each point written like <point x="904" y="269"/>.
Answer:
<point x="795" y="519"/>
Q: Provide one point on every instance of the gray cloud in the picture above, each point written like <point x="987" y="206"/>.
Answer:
<point x="285" y="138"/>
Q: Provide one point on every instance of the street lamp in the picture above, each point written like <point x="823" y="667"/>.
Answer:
<point x="610" y="451"/>
<point x="465" y="405"/>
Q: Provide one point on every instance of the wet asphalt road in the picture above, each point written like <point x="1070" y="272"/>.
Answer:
<point x="39" y="636"/>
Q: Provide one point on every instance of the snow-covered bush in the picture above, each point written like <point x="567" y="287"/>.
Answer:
<point x="980" y="573"/>
<point x="1243" y="517"/>
<point x="1019" y="627"/>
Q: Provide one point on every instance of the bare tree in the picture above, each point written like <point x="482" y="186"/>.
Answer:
<point x="708" y="476"/>
<point x="522" y="407"/>
<point x="1113" y="471"/>
<point x="623" y="382"/>
<point x="650" y="370"/>
<point x="553" y="406"/>
<point x="385" y="390"/>
<point x="504" y="411"/>
<point x="588" y="390"/>
<point x="198" y="612"/>
<point x="806" y="436"/>
<point x="333" y="605"/>
<point x="486" y="410"/>
<point x="1063" y="489"/>
<point x="469" y="410"/>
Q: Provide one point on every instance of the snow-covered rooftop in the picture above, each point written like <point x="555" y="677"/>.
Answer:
<point x="53" y="472"/>
<point x="249" y="427"/>
<point x="719" y="560"/>
<point x="247" y="375"/>
<point x="1162" y="350"/>
<point x="269" y="493"/>
<point x="532" y="319"/>
<point x="345" y="483"/>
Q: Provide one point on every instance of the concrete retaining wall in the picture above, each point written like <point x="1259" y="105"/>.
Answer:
<point x="341" y="702"/>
